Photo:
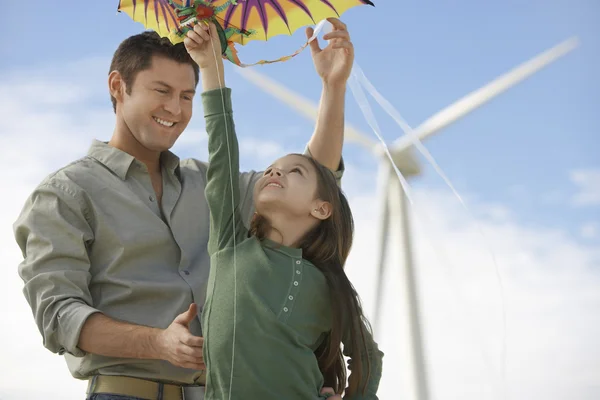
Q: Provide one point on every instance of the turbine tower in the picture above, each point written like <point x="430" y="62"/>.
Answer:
<point x="393" y="200"/>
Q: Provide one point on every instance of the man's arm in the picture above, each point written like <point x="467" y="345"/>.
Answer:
<point x="53" y="234"/>
<point x="105" y="336"/>
<point x="111" y="338"/>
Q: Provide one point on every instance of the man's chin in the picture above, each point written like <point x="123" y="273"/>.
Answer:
<point x="162" y="145"/>
<point x="159" y="148"/>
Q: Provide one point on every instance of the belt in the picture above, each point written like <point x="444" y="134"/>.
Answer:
<point x="142" y="388"/>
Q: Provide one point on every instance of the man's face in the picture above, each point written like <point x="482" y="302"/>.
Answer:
<point x="159" y="105"/>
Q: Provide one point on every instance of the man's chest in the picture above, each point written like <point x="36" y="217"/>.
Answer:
<point x="133" y="231"/>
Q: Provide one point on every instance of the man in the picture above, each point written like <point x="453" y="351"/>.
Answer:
<point x="114" y="244"/>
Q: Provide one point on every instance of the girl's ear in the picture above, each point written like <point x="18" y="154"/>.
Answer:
<point x="322" y="210"/>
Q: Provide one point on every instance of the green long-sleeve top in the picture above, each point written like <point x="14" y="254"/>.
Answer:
<point x="272" y="301"/>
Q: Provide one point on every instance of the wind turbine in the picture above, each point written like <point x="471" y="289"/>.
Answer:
<point x="393" y="199"/>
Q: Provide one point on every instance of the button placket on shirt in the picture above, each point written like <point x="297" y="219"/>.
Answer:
<point x="294" y="289"/>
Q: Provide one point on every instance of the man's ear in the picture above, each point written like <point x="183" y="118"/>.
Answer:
<point x="116" y="85"/>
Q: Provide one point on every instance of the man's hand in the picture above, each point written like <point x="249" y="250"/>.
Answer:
<point x="203" y="45"/>
<point x="334" y="62"/>
<point x="178" y="346"/>
<point x="330" y="394"/>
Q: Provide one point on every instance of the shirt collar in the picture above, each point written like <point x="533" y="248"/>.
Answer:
<point x="170" y="161"/>
<point x="120" y="162"/>
<point x="290" y="251"/>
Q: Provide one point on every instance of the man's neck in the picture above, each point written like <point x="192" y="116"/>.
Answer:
<point x="124" y="140"/>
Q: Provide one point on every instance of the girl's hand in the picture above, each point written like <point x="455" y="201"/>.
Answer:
<point x="203" y="45"/>
<point x="334" y="62"/>
<point x="328" y="393"/>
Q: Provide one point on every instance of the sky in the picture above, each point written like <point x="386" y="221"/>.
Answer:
<point x="526" y="164"/>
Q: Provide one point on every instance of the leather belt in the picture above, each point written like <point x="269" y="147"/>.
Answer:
<point x="143" y="389"/>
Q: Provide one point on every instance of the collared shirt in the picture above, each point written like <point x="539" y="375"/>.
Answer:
<point x="95" y="239"/>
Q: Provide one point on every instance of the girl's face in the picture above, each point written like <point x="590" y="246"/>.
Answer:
<point x="288" y="186"/>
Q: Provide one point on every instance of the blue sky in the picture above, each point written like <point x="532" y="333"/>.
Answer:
<point x="517" y="161"/>
<point x="422" y="56"/>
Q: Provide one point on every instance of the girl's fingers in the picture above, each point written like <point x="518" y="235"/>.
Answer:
<point x="194" y="36"/>
<point x="202" y="31"/>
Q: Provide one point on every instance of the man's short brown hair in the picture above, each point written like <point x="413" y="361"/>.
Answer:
<point x="135" y="54"/>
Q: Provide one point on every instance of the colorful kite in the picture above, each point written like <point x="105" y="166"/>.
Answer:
<point x="237" y="21"/>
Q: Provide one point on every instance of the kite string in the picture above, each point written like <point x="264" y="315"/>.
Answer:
<point x="328" y="27"/>
<point x="363" y="103"/>
<point x="373" y="123"/>
<point x="387" y="106"/>
<point x="317" y="29"/>
<point x="233" y="212"/>
<point x="365" y="108"/>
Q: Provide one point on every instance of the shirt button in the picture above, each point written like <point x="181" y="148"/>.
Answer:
<point x="285" y="309"/>
<point x="291" y="297"/>
<point x="295" y="283"/>
<point x="151" y="198"/>
<point x="186" y="272"/>
<point x="298" y="261"/>
<point x="298" y="272"/>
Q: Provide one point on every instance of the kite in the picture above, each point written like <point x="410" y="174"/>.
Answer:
<point x="237" y="21"/>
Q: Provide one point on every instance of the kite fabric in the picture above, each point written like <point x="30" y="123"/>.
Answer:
<point x="237" y="21"/>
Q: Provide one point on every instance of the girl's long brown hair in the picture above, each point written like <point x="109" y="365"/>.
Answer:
<point x="327" y="246"/>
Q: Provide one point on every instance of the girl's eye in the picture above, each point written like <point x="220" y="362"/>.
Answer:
<point x="161" y="91"/>
<point x="297" y="170"/>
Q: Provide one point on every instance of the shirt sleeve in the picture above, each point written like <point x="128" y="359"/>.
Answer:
<point x="339" y="173"/>
<point x="247" y="182"/>
<point x="223" y="176"/>
<point x="53" y="234"/>
<point x="372" y="377"/>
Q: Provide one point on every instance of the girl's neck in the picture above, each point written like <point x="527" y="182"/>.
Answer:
<point x="288" y="232"/>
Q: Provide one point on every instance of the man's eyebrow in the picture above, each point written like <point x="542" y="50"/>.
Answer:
<point x="192" y="91"/>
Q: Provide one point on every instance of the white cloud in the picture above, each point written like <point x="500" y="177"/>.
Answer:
<point x="192" y="142"/>
<point x="551" y="287"/>
<point x="589" y="230"/>
<point x="588" y="184"/>
<point x="550" y="279"/>
<point x="266" y="152"/>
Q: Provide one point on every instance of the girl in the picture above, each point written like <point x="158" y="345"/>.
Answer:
<point x="279" y="305"/>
